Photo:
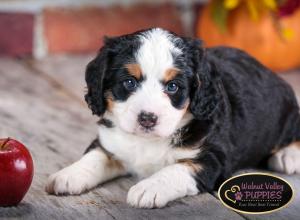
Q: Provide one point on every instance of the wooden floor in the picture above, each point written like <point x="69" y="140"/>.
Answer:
<point x="41" y="104"/>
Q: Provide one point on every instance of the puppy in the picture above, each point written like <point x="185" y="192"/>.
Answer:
<point x="181" y="117"/>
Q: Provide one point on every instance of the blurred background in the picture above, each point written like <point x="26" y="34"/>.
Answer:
<point x="45" y="46"/>
<point x="267" y="29"/>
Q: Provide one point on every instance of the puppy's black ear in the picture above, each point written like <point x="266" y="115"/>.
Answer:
<point x="206" y="92"/>
<point x="94" y="77"/>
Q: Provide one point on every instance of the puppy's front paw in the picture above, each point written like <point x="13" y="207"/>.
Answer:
<point x="168" y="184"/>
<point x="70" y="180"/>
<point x="149" y="193"/>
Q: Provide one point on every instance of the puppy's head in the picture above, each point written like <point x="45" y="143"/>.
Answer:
<point x="149" y="82"/>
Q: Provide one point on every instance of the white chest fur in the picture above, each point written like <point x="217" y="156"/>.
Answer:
<point x="142" y="155"/>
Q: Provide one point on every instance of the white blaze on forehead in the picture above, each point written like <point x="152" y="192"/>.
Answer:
<point x="156" y="53"/>
<point x="155" y="57"/>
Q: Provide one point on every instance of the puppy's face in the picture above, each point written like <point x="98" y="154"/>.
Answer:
<point x="145" y="82"/>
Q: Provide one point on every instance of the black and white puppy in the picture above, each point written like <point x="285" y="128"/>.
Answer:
<point x="181" y="117"/>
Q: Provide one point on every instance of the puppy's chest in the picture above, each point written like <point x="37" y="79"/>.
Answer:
<point x="140" y="155"/>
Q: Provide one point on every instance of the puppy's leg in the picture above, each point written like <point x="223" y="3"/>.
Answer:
<point x="170" y="183"/>
<point x="286" y="160"/>
<point x="95" y="167"/>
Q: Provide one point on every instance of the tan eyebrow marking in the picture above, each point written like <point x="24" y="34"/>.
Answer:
<point x="170" y="74"/>
<point x="134" y="69"/>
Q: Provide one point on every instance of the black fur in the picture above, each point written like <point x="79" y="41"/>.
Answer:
<point x="241" y="109"/>
<point x="106" y="72"/>
<point x="105" y="122"/>
<point x="252" y="112"/>
<point x="96" y="144"/>
<point x="182" y="79"/>
<point x="95" y="73"/>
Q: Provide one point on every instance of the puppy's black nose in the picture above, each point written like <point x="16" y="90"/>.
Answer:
<point x="147" y="119"/>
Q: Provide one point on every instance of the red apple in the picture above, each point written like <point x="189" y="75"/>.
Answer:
<point x="16" y="171"/>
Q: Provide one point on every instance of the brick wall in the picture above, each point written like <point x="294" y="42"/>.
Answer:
<point x="41" y="27"/>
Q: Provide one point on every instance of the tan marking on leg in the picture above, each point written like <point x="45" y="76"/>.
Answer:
<point x="134" y="69"/>
<point x="278" y="148"/>
<point x="297" y="144"/>
<point x="275" y="150"/>
<point x="113" y="163"/>
<point x="190" y="163"/>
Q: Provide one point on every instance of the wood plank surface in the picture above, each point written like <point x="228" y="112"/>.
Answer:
<point x="57" y="67"/>
<point x="66" y="70"/>
<point x="56" y="128"/>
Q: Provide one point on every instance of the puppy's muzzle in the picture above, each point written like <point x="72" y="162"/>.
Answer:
<point x="147" y="119"/>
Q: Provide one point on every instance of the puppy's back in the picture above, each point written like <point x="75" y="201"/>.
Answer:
<point x="264" y="109"/>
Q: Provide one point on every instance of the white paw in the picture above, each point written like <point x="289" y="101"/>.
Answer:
<point x="150" y="193"/>
<point x="286" y="160"/>
<point x="70" y="180"/>
<point x="168" y="184"/>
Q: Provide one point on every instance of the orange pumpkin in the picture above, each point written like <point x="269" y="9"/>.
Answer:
<point x="259" y="38"/>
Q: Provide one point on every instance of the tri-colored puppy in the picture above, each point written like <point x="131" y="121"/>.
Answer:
<point x="181" y="117"/>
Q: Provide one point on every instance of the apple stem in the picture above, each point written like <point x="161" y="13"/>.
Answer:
<point x="4" y="143"/>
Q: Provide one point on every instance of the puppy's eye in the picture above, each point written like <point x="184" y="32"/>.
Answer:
<point x="171" y="88"/>
<point x="130" y="84"/>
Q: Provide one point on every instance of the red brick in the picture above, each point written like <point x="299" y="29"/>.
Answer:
<point x="16" y="34"/>
<point x="82" y="30"/>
